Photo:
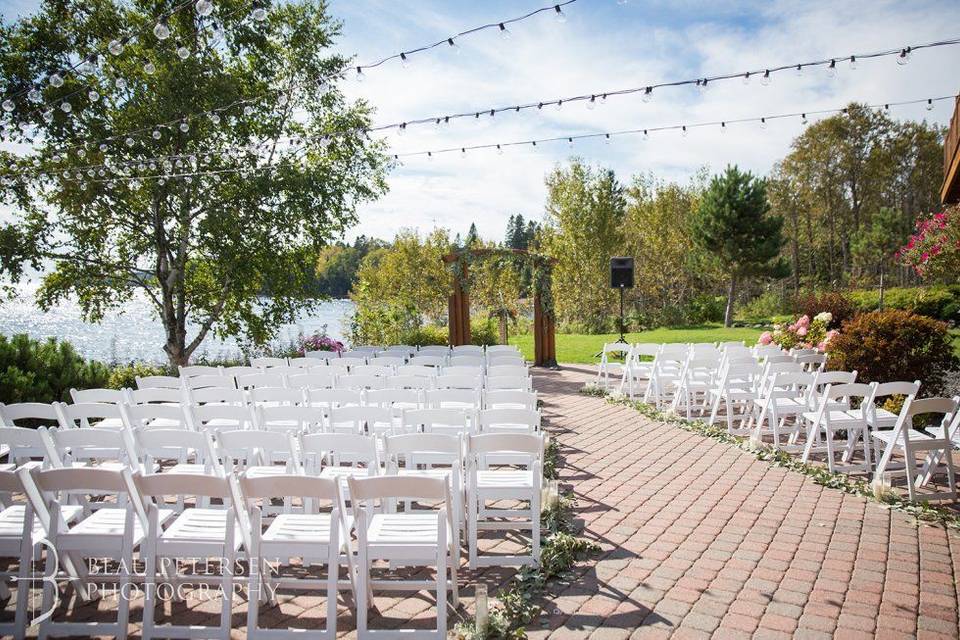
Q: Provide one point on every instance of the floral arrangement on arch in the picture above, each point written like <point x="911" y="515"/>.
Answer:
<point x="802" y="334"/>
<point x="319" y="341"/>
<point x="934" y="248"/>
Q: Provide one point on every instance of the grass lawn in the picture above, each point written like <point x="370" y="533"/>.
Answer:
<point x="580" y="348"/>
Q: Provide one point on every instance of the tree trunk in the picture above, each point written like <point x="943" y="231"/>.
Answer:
<point x="881" y="286"/>
<point x="732" y="291"/>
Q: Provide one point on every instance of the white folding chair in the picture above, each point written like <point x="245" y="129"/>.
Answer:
<point x="509" y="421"/>
<point x="404" y="455"/>
<point x="608" y="365"/>
<point x="878" y="417"/>
<point x="155" y="416"/>
<point x="173" y="451"/>
<point x="24" y="444"/>
<point x="637" y="367"/>
<point x="106" y="396"/>
<point x="316" y="378"/>
<point x="241" y="370"/>
<point x="108" y="533"/>
<point x="327" y="399"/>
<point x="309" y="535"/>
<point x="215" y="418"/>
<point x="387" y="360"/>
<point x="505" y="360"/>
<point x="450" y="421"/>
<point x="260" y="453"/>
<point x="202" y="533"/>
<point x="417" y="370"/>
<point x="696" y="380"/>
<point x="812" y="362"/>
<point x="266" y="362"/>
<point x="786" y="396"/>
<point x="346" y="362"/>
<point x="322" y="355"/>
<point x="735" y="390"/>
<point x="420" y="537"/>
<point x="489" y="483"/>
<point x="467" y="399"/>
<point x="516" y="383"/>
<point x="467" y="349"/>
<point x="421" y="383"/>
<point x="204" y="381"/>
<point x="275" y="396"/>
<point x="428" y="360"/>
<point x="356" y="381"/>
<point x="397" y="399"/>
<point x="458" y="382"/>
<point x="834" y="418"/>
<point x="363" y="420"/>
<point x="373" y="369"/>
<point x="509" y="399"/>
<point x="159" y="382"/>
<point x="228" y="396"/>
<point x="474" y="361"/>
<point x="462" y="370"/>
<point x="289" y="419"/>
<point x="107" y="448"/>
<point x="154" y="395"/>
<point x="520" y="371"/>
<point x="199" y="370"/>
<point x="908" y="441"/>
<point x="304" y="363"/>
<point x="339" y="455"/>
<point x="97" y="415"/>
<point x="665" y="375"/>
<point x="265" y="379"/>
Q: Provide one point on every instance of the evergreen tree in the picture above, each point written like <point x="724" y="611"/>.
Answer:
<point x="472" y="236"/>
<point x="733" y="225"/>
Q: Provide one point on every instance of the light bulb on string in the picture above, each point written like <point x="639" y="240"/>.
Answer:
<point x="499" y="150"/>
<point x="89" y="65"/>
<point x="359" y="77"/>
<point x="463" y="152"/>
<point x="832" y="69"/>
<point x="93" y="95"/>
<point x="161" y="30"/>
<point x="204" y="7"/>
<point x="904" y="56"/>
<point x="248" y="110"/>
<point x="646" y="135"/>
<point x="215" y="118"/>
<point x="56" y="80"/>
<point x="702" y="85"/>
<point x="149" y="68"/>
<point x="559" y="105"/>
<point x="183" y="53"/>
<point x="723" y="127"/>
<point x="929" y="104"/>
<point x="453" y="46"/>
<point x="35" y="95"/>
<point x="592" y="103"/>
<point x="853" y="63"/>
<point x="803" y="119"/>
<point x="66" y="107"/>
<point x="765" y="79"/>
<point x="115" y="47"/>
<point x="570" y="142"/>
<point x="647" y="94"/>
<point x="603" y="99"/>
<point x="404" y="61"/>
<point x="606" y="138"/>
<point x="259" y="14"/>
<point x="746" y="78"/>
<point x="120" y="83"/>
<point x="763" y="123"/>
<point x="683" y="131"/>
<point x="799" y="70"/>
<point x="156" y="134"/>
<point x="402" y="129"/>
<point x="504" y="32"/>
<point x="9" y="106"/>
<point x="559" y="14"/>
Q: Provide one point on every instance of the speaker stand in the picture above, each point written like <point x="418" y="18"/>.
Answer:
<point x="622" y="337"/>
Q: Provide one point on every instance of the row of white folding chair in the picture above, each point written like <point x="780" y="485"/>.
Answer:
<point x="157" y="533"/>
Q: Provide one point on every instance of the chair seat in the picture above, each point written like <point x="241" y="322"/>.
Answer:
<point x="191" y="467"/>
<point x="404" y="529"/>
<point x="783" y="405"/>
<point x="441" y="474"/>
<point x="165" y="423"/>
<point x="265" y="470"/>
<point x="110" y="522"/>
<point x="883" y="417"/>
<point x="504" y="479"/>
<point x="202" y="525"/>
<point x="311" y="528"/>
<point x="836" y="418"/>
<point x="11" y="520"/>
<point x="108" y="423"/>
<point x="915" y="436"/>
<point x="734" y="394"/>
<point x="343" y="472"/>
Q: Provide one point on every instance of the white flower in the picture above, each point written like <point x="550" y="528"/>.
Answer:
<point x="824" y="316"/>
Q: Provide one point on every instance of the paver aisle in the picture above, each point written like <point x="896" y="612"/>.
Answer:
<point x="703" y="540"/>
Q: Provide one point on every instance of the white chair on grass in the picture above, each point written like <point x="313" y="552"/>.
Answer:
<point x="417" y="370"/>
<point x="289" y="419"/>
<point x="396" y="399"/>
<point x="608" y="366"/>
<point x="24" y="444"/>
<point x="387" y="360"/>
<point x="155" y="416"/>
<point x="357" y="381"/>
<point x="936" y="444"/>
<point x="834" y="418"/>
<point x="241" y="370"/>
<point x="346" y="362"/>
<point x="275" y="397"/>
<point x="315" y="378"/>
<point x="428" y="360"/>
<point x="303" y="363"/>
<point x="489" y="482"/>
<point x="309" y="535"/>
<point x="105" y="396"/>
<point x="199" y="370"/>
<point x="462" y="370"/>
<point x="363" y="420"/>
<point x="327" y="399"/>
<point x="470" y="361"/>
<point x="813" y="362"/>
<point x="322" y="356"/>
<point x="88" y="415"/>
<point x="421" y="383"/>
<point x="264" y="379"/>
<point x="203" y="533"/>
<point x="445" y="381"/>
<point x="155" y="395"/>
<point x="267" y="362"/>
<point x="376" y="368"/>
<point x="422" y="537"/>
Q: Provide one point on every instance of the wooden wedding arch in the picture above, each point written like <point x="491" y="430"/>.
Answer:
<point x="544" y="339"/>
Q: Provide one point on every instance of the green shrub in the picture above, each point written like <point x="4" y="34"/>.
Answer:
<point x="125" y="376"/>
<point x="44" y="371"/>
<point x="762" y="308"/>
<point x="883" y="346"/>
<point x="484" y="332"/>
<point x="840" y="306"/>
<point x="426" y="335"/>
<point x="940" y="302"/>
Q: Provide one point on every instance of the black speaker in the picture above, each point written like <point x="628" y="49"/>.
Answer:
<point x="621" y="272"/>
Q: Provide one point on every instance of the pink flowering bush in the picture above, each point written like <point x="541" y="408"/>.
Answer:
<point x="804" y="333"/>
<point x="318" y="342"/>
<point x="934" y="248"/>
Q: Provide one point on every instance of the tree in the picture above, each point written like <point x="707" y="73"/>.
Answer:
<point x="732" y="224"/>
<point x="583" y="228"/>
<point x="263" y="159"/>
<point x="877" y="242"/>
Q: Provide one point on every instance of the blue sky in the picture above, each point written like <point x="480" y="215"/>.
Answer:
<point x="606" y="45"/>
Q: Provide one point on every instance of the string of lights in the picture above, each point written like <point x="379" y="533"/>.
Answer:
<point x="451" y="41"/>
<point x="89" y="65"/>
<point x="191" y="167"/>
<point x="903" y="54"/>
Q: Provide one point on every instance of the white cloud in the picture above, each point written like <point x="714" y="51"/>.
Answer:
<point x="602" y="48"/>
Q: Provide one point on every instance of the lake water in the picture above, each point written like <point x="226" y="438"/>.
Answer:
<point x="136" y="334"/>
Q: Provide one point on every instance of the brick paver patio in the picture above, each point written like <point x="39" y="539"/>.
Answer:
<point x="703" y="540"/>
<point x="700" y="539"/>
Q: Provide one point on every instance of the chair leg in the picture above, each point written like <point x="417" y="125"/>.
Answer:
<point x="714" y="410"/>
<point x="535" y="524"/>
<point x="333" y="575"/>
<point x="442" y="582"/>
<point x="254" y="583"/>
<point x="123" y="605"/>
<point x="363" y="588"/>
<point x="472" y="515"/>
